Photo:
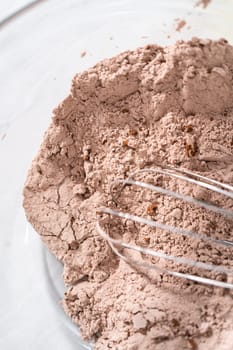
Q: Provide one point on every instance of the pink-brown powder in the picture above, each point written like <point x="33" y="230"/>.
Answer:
<point x="203" y="3"/>
<point x="171" y="105"/>
<point x="180" y="24"/>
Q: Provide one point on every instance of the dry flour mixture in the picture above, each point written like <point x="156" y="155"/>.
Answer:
<point x="168" y="105"/>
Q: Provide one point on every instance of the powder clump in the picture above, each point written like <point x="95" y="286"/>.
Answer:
<point x="154" y="105"/>
<point x="203" y="3"/>
<point x="181" y="23"/>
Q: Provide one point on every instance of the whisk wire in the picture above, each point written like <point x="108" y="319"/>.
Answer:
<point x="113" y="242"/>
<point x="192" y="178"/>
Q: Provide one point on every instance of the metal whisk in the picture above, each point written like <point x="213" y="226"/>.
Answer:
<point x="184" y="175"/>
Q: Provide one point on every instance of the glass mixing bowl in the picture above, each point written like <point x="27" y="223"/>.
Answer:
<point x="41" y="50"/>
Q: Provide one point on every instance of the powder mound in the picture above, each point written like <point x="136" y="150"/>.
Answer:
<point x="154" y="105"/>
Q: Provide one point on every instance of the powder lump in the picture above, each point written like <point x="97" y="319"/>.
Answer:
<point x="203" y="3"/>
<point x="171" y="105"/>
<point x="180" y="24"/>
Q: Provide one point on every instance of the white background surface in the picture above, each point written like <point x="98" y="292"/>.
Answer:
<point x="39" y="53"/>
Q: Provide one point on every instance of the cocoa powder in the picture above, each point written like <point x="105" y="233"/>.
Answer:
<point x="203" y="3"/>
<point x="154" y="105"/>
